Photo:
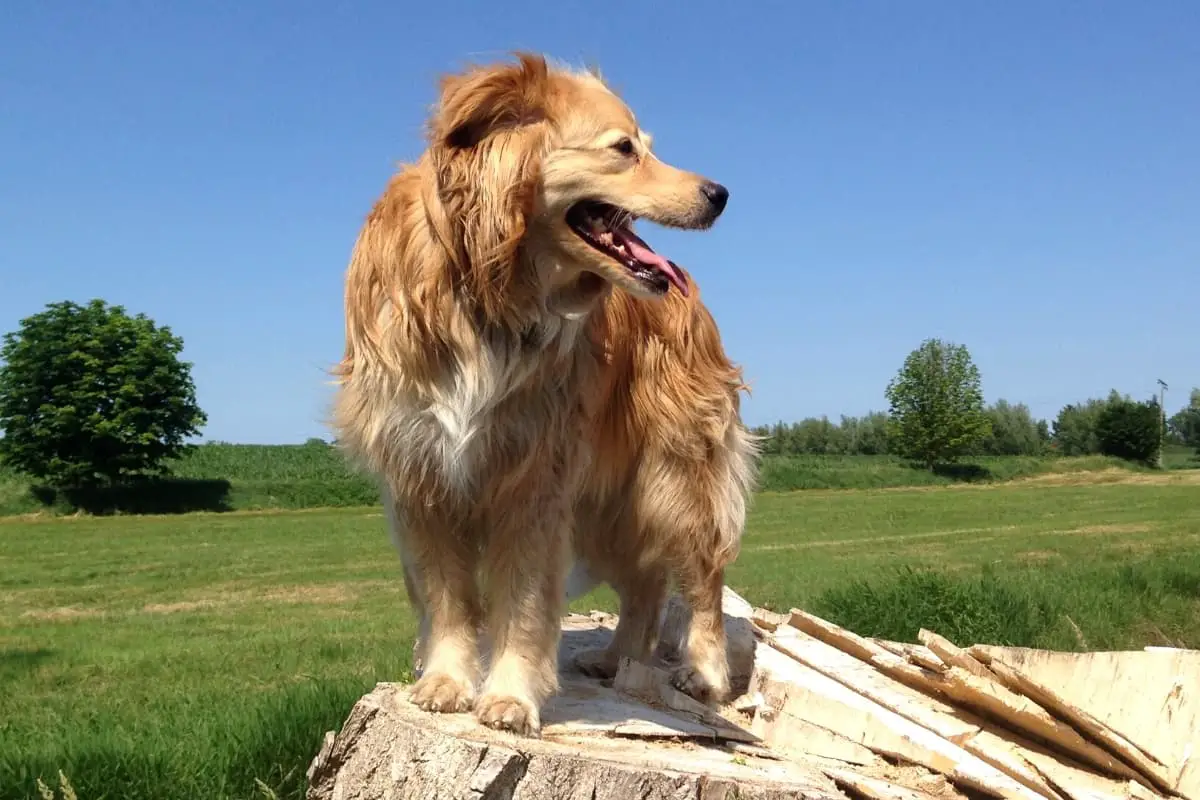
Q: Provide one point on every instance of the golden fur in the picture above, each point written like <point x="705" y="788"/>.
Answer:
<point x="526" y="401"/>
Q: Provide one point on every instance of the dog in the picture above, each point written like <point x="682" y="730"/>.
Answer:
<point x="534" y="386"/>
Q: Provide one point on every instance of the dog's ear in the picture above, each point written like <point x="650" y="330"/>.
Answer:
<point x="485" y="149"/>
<point x="487" y="99"/>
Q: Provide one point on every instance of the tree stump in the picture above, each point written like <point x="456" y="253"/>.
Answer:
<point x="634" y="738"/>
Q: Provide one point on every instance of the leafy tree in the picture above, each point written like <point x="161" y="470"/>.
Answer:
<point x="820" y="436"/>
<point x="866" y="435"/>
<point x="1075" y="426"/>
<point x="1130" y="430"/>
<point x="936" y="411"/>
<point x="1014" y="431"/>
<point x="1043" y="432"/>
<point x="1186" y="423"/>
<point x="90" y="395"/>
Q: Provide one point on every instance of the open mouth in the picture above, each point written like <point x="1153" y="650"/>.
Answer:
<point x="606" y="228"/>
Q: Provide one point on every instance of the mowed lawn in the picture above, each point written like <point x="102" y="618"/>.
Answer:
<point x="206" y="655"/>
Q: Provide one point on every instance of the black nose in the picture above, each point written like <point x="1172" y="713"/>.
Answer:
<point x="717" y="194"/>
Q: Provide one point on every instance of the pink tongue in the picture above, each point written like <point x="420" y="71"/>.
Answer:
<point x="642" y="252"/>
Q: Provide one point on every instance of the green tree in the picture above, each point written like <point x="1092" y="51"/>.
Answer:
<point x="1075" y="426"/>
<point x="866" y="436"/>
<point x="819" y="437"/>
<point x="1130" y="430"/>
<point x="1186" y="423"/>
<point x="90" y="395"/>
<point x="1014" y="431"/>
<point x="936" y="404"/>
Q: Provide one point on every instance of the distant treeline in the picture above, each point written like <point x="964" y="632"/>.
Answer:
<point x="1014" y="431"/>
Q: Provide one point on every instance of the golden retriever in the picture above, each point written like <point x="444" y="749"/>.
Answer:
<point x="533" y="385"/>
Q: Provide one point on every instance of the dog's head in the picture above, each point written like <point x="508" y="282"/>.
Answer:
<point x="541" y="173"/>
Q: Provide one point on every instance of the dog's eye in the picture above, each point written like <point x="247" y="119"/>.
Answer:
<point x="624" y="146"/>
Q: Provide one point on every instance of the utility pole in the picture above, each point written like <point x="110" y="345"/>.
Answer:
<point x="1162" y="423"/>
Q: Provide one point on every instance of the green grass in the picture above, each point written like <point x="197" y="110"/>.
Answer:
<point x="1179" y="457"/>
<point x="223" y="477"/>
<point x="189" y="656"/>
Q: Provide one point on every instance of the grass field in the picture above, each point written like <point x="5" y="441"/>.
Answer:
<point x="223" y="477"/>
<point x="198" y="655"/>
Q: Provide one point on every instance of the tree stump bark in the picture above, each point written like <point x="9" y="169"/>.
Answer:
<point x="641" y="740"/>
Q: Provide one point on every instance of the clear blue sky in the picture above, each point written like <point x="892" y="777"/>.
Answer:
<point x="1020" y="177"/>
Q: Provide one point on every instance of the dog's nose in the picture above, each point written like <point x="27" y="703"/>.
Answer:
<point x="717" y="195"/>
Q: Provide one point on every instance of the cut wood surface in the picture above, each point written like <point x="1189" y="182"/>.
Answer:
<point x="390" y="749"/>
<point x="823" y="714"/>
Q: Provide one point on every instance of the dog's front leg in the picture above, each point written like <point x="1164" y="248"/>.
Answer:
<point x="413" y="587"/>
<point x="525" y="566"/>
<point x="439" y="570"/>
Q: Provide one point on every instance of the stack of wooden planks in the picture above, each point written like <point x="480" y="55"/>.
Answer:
<point x="823" y="714"/>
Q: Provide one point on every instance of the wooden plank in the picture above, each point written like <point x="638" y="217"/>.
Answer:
<point x="962" y="687"/>
<point x="917" y="654"/>
<point x="802" y="692"/>
<point x="798" y="738"/>
<point x="943" y="719"/>
<point x="1153" y="770"/>
<point x="874" y="788"/>
<point x="949" y="653"/>
<point x="1151" y="697"/>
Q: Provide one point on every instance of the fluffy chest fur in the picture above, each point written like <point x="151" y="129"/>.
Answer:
<point x="487" y="407"/>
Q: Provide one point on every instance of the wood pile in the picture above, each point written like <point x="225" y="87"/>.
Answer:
<point x="823" y="714"/>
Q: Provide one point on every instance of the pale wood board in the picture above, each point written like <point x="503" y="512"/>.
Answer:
<point x="1151" y="697"/>
<point x="798" y="690"/>
<point x="984" y="695"/>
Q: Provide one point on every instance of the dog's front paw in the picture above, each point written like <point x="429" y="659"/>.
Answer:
<point x="597" y="663"/>
<point x="442" y="694"/>
<point x="711" y="690"/>
<point x="508" y="714"/>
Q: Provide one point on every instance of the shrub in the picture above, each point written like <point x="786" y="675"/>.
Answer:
<point x="1130" y="430"/>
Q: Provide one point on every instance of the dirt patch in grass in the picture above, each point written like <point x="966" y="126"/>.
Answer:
<point x="1103" y="529"/>
<point x="228" y="596"/>
<point x="175" y="608"/>
<point x="1112" y="475"/>
<point x="325" y="594"/>
<point x="900" y="537"/>
<point x="62" y="614"/>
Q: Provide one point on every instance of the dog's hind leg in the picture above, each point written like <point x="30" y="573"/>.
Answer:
<point x="704" y="673"/>
<point x="642" y="596"/>
<point x="701" y="510"/>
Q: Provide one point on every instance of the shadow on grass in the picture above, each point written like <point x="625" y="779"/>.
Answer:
<point x="17" y="662"/>
<point x="160" y="496"/>
<point x="964" y="473"/>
